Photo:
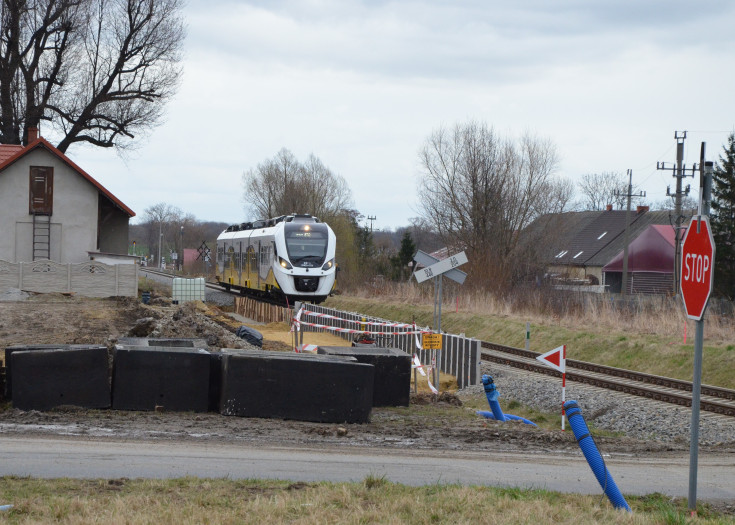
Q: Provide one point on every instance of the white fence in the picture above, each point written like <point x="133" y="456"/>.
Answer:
<point x="89" y="279"/>
<point x="460" y="356"/>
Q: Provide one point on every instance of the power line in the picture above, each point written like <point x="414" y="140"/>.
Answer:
<point x="629" y="195"/>
<point x="679" y="171"/>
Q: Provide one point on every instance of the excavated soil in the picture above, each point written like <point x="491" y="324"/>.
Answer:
<point x="446" y="423"/>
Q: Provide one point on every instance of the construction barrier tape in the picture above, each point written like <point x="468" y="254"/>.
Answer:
<point x="417" y="364"/>
<point x="431" y="387"/>
<point x="353" y="331"/>
<point x="371" y="323"/>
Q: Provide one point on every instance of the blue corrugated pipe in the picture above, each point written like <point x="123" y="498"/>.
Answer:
<point x="492" y="398"/>
<point x="589" y="449"/>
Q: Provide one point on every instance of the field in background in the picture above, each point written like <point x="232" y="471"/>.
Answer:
<point x="374" y="500"/>
<point x="644" y="334"/>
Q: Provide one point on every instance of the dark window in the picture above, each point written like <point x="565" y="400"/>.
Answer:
<point x="306" y="246"/>
<point x="41" y="195"/>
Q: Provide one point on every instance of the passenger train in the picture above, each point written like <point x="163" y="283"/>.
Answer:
<point x="288" y="258"/>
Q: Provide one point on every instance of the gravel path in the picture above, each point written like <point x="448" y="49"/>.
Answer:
<point x="614" y="411"/>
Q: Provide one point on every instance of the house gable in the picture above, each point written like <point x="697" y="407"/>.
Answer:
<point x="47" y="200"/>
<point x="9" y="154"/>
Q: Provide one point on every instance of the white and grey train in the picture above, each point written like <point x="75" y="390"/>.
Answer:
<point x="286" y="258"/>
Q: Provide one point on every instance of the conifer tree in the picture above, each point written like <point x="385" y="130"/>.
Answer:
<point x="723" y="220"/>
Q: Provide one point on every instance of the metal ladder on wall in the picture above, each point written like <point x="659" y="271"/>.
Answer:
<point x="41" y="236"/>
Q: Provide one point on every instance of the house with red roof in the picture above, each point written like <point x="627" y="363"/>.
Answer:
<point x="650" y="263"/>
<point x="50" y="208"/>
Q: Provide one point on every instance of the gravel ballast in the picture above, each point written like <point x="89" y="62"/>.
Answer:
<point x="633" y="416"/>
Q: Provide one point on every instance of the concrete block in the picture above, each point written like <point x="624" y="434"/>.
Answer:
<point x="305" y="387"/>
<point x="176" y="379"/>
<point x="21" y="348"/>
<point x="392" y="386"/>
<point x="48" y="378"/>
<point x="176" y="342"/>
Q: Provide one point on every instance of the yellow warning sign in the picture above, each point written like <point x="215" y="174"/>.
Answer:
<point x="431" y="341"/>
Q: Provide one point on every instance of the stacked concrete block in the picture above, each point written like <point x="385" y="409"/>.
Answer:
<point x="304" y="387"/>
<point x="159" y="377"/>
<point x="45" y="378"/>
<point x="392" y="386"/>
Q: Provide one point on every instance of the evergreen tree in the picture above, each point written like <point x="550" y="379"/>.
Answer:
<point x="405" y="255"/>
<point x="723" y="220"/>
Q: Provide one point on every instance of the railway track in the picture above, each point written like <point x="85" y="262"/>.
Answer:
<point x="665" y="389"/>
<point x="675" y="391"/>
<point x="214" y="287"/>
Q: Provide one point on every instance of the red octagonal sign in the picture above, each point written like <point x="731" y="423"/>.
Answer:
<point x="697" y="267"/>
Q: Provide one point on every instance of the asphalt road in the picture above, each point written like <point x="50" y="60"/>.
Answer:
<point x="55" y="457"/>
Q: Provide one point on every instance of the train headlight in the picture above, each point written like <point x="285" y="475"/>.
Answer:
<point x="284" y="263"/>
<point x="328" y="265"/>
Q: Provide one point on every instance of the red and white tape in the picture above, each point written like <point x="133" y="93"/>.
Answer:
<point x="355" y="331"/>
<point x="352" y="321"/>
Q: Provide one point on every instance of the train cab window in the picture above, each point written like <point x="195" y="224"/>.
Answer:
<point x="306" y="246"/>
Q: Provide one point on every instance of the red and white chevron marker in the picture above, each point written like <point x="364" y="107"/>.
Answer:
<point x="557" y="359"/>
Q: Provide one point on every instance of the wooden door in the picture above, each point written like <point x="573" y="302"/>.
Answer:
<point x="41" y="190"/>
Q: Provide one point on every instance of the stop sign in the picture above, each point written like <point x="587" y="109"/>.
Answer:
<point x="697" y="267"/>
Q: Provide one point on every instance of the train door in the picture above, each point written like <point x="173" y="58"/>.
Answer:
<point x="231" y="263"/>
<point x="257" y="265"/>
<point x="239" y="264"/>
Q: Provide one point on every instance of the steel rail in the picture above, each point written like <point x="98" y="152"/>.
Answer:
<point x="676" y="384"/>
<point x="644" y="389"/>
<point x="219" y="288"/>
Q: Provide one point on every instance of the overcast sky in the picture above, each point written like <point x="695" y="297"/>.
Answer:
<point x="361" y="85"/>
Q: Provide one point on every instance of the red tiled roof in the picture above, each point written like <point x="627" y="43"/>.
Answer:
<point x="8" y="150"/>
<point x="9" y="153"/>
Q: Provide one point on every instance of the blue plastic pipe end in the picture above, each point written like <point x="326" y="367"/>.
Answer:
<point x="593" y="456"/>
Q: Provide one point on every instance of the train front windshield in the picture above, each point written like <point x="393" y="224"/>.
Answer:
<point x="306" y="246"/>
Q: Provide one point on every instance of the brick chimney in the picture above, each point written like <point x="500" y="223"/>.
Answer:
<point x="609" y="207"/>
<point x="32" y="134"/>
<point x="642" y="209"/>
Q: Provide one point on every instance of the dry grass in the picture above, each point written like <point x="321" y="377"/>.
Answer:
<point x="645" y="334"/>
<point x="660" y="315"/>
<point x="375" y="500"/>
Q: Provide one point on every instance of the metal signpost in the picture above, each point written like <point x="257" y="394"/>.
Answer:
<point x="557" y="359"/>
<point x="434" y="269"/>
<point x="696" y="281"/>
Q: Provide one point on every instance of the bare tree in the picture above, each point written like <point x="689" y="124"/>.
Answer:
<point x="282" y="185"/>
<point x="479" y="190"/>
<point x="100" y="71"/>
<point x="160" y="219"/>
<point x="600" y="189"/>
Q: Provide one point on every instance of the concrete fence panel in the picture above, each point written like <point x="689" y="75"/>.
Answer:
<point x="88" y="279"/>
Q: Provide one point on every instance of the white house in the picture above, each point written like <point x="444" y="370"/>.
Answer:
<point x="50" y="208"/>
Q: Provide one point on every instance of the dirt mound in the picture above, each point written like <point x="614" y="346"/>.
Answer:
<point x="444" y="398"/>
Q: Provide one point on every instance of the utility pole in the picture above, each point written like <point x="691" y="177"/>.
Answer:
<point x="679" y="171"/>
<point x="371" y="219"/>
<point x="160" y="238"/>
<point x="629" y="195"/>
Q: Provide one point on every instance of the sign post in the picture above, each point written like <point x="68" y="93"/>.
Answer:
<point x="434" y="269"/>
<point x="557" y="359"/>
<point x="696" y="280"/>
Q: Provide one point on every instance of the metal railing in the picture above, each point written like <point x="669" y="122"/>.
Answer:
<point x="459" y="356"/>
